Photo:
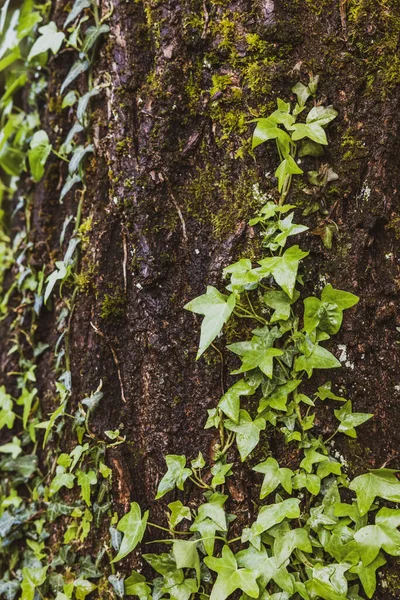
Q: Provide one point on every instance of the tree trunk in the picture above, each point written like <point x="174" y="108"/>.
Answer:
<point x="169" y="194"/>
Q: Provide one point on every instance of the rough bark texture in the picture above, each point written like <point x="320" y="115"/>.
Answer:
<point x="169" y="194"/>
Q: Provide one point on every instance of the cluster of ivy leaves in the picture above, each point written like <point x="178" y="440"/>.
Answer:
<point x="68" y="491"/>
<point x="317" y="534"/>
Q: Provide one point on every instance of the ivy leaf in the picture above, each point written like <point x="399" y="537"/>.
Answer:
<point x="40" y="149"/>
<point x="216" y="309"/>
<point x="275" y="513"/>
<point x="62" y="479"/>
<point x="220" y="471"/>
<point x="247" y="432"/>
<point x="283" y="268"/>
<point x="274" y="475"/>
<point x="78" y="7"/>
<point x="349" y="420"/>
<point x="367" y="574"/>
<point x="242" y="275"/>
<point x="320" y="358"/>
<point x="311" y="457"/>
<point x="85" y="480"/>
<point x="50" y="39"/>
<point x="175" y="476"/>
<point x="309" y="481"/>
<point x="133" y="526"/>
<point x="281" y="303"/>
<point x="287" y="167"/>
<point x="327" y="313"/>
<point x="288" y="228"/>
<point x="213" y="509"/>
<point x="117" y="582"/>
<point x="178" y="513"/>
<point x="328" y="582"/>
<point x="32" y="579"/>
<point x="313" y="131"/>
<point x="279" y="397"/>
<point x="230" y="401"/>
<point x="79" y="66"/>
<point x="286" y="543"/>
<point x="378" y="482"/>
<point x="256" y="353"/>
<point x="135" y="585"/>
<point x="302" y="92"/>
<point x="83" y="587"/>
<point x="372" y="538"/>
<point x="186" y="555"/>
<point x="325" y="391"/>
<point x="207" y="529"/>
<point x="92" y="34"/>
<point x="230" y="576"/>
<point x="321" y="115"/>
<point x="265" y="130"/>
<point x="266" y="568"/>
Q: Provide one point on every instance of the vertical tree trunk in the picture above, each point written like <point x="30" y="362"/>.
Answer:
<point x="170" y="190"/>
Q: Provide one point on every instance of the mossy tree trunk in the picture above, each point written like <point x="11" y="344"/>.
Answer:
<point x="169" y="194"/>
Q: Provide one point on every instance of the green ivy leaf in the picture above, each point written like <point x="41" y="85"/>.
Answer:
<point x="38" y="154"/>
<point x="283" y="268"/>
<point x="275" y="513"/>
<point x="175" y="476"/>
<point x="133" y="526"/>
<point x="85" y="480"/>
<point x="281" y="303"/>
<point x="367" y="574"/>
<point x="186" y="555"/>
<point x="61" y="479"/>
<point x="247" y="432"/>
<point x="135" y="585"/>
<point x="325" y="392"/>
<point x="274" y="475"/>
<point x="220" y="471"/>
<point x="349" y="420"/>
<point x="372" y="538"/>
<point x="320" y="358"/>
<point x="266" y="568"/>
<point x="230" y="401"/>
<point x="311" y="457"/>
<point x="378" y="482"/>
<point x="50" y="39"/>
<point x="265" y="130"/>
<point x="321" y="115"/>
<point x="216" y="309"/>
<point x="328" y="582"/>
<point x="178" y="513"/>
<point x="309" y="481"/>
<point x="242" y="275"/>
<point x="256" y="353"/>
<point x="213" y="509"/>
<point x="327" y="313"/>
<point x="302" y="92"/>
<point x="288" y="228"/>
<point x="286" y="543"/>
<point x="32" y="578"/>
<point x="313" y="131"/>
<point x="288" y="166"/>
<point x="83" y="587"/>
<point x="279" y="397"/>
<point x="230" y="576"/>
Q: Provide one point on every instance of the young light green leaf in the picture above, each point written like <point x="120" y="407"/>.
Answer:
<point x="79" y="66"/>
<point x="288" y="166"/>
<point x="216" y="309"/>
<point x="92" y="34"/>
<point x="281" y="303"/>
<point x="61" y="479"/>
<point x="286" y="543"/>
<point x="135" y="585"/>
<point x="175" y="476"/>
<point x="372" y="538"/>
<point x="32" y="578"/>
<point x="50" y="39"/>
<point x="133" y="526"/>
<point x="220" y="471"/>
<point x="367" y="574"/>
<point x="230" y="576"/>
<point x="186" y="555"/>
<point x="320" y="358"/>
<point x="302" y="92"/>
<point x="313" y="131"/>
<point x="321" y="115"/>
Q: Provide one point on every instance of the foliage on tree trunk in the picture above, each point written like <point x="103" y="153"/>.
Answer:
<point x="168" y="183"/>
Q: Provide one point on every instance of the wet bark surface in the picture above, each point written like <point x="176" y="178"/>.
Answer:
<point x="169" y="194"/>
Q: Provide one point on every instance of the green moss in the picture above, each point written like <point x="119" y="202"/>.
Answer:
<point x="113" y="305"/>
<point x="123" y="145"/>
<point x="375" y="29"/>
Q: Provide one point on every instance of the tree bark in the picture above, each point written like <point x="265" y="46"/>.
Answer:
<point x="169" y="194"/>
